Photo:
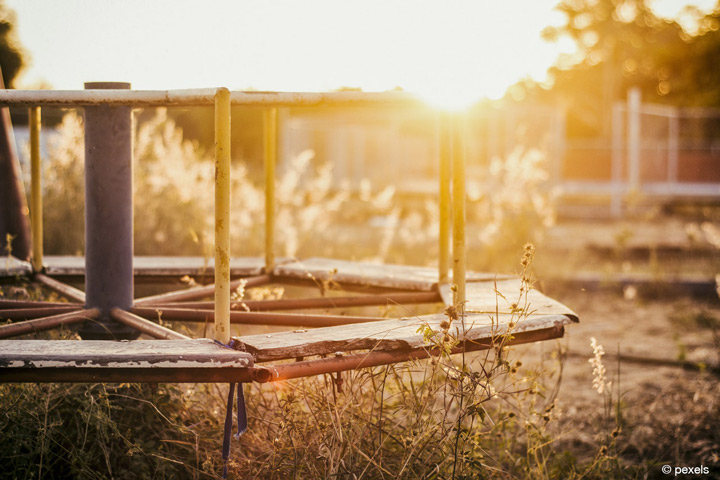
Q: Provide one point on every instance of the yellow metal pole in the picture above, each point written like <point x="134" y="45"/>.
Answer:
<point x="458" y="194"/>
<point x="444" y="153"/>
<point x="270" y="137"/>
<point x="36" y="190"/>
<point x="222" y="215"/>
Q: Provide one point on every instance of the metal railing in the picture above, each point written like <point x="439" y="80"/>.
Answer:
<point x="451" y="136"/>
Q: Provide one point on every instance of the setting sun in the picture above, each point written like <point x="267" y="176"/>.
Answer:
<point x="451" y="53"/>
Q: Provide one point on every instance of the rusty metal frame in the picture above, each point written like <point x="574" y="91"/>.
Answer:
<point x="47" y="323"/>
<point x="373" y="300"/>
<point x="252" y="318"/>
<point x="37" y="312"/>
<point x="53" y="315"/>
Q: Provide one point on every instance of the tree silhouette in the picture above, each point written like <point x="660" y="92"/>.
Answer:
<point x="11" y="53"/>
<point x="622" y="43"/>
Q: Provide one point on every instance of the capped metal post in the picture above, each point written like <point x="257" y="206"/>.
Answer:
<point x="108" y="215"/>
<point x="222" y="215"/>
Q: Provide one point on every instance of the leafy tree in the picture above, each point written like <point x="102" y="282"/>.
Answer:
<point x="11" y="53"/>
<point x="622" y="43"/>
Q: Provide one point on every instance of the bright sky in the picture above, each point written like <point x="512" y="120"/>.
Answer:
<point x="448" y="50"/>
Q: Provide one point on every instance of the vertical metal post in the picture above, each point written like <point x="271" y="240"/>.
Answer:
<point x="222" y="215"/>
<point x="444" y="154"/>
<point x="458" y="206"/>
<point x="108" y="215"/>
<point x="14" y="224"/>
<point x="270" y="148"/>
<point x="36" y="217"/>
<point x="634" y="104"/>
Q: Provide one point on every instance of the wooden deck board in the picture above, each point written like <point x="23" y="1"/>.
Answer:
<point x="482" y="298"/>
<point x="386" y="335"/>
<point x="11" y="267"/>
<point x="98" y="354"/>
<point x="404" y="277"/>
<point x="158" y="266"/>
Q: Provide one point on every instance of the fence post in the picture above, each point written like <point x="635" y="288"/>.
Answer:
<point x="617" y="161"/>
<point x="673" y="145"/>
<point x="634" y="105"/>
<point x="108" y="215"/>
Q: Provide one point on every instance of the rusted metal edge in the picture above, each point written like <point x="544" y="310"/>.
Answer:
<point x="319" y="302"/>
<point x="195" y="97"/>
<point x="134" y="375"/>
<point x="47" y="323"/>
<point x="14" y="304"/>
<point x="71" y="293"/>
<point x="37" y="312"/>
<point x="261" y="374"/>
<point x="200" y="292"/>
<point x="252" y="318"/>
<point x="146" y="326"/>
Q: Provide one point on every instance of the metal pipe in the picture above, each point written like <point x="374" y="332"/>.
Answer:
<point x="222" y="215"/>
<point x="445" y="202"/>
<point x="30" y="313"/>
<point x="458" y="199"/>
<point x="197" y="97"/>
<point x="270" y="143"/>
<point x="28" y="304"/>
<point x="146" y="326"/>
<point x="63" y="289"/>
<point x="36" y="203"/>
<point x="134" y="375"/>
<point x="14" y="222"/>
<point x="320" y="302"/>
<point x="47" y="323"/>
<point x="109" y="279"/>
<point x="253" y="318"/>
<point x="201" y="292"/>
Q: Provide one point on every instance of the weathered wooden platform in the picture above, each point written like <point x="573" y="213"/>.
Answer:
<point x="499" y="311"/>
<point x="12" y="267"/>
<point x="173" y="360"/>
<point x="395" y="334"/>
<point x="504" y="296"/>
<point x="402" y="277"/>
<point x="144" y="266"/>
<point x="491" y="314"/>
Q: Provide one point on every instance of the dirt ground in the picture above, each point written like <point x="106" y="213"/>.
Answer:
<point x="665" y="407"/>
